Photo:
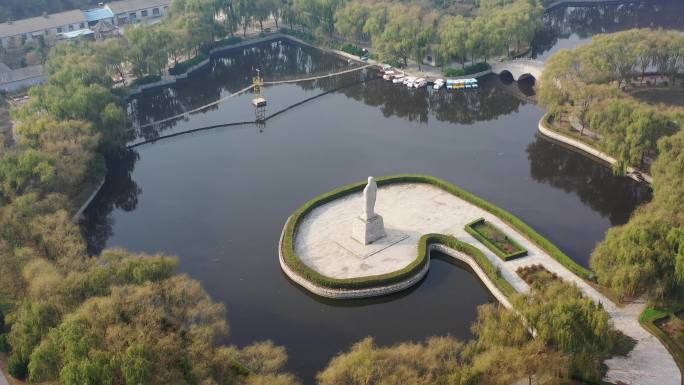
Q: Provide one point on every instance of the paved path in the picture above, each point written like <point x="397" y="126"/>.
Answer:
<point x="417" y="209"/>
<point x="3" y="380"/>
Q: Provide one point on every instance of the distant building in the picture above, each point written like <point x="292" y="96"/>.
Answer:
<point x="56" y="25"/>
<point x="19" y="79"/>
<point x="96" y="15"/>
<point x="16" y="33"/>
<point x="134" y="11"/>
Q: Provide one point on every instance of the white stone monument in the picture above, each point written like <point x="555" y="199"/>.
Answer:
<point x="369" y="227"/>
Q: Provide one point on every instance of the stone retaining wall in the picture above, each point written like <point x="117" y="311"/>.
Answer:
<point x="346" y="293"/>
<point x="583" y="147"/>
<point x="213" y="54"/>
<point x="395" y="287"/>
<point x="87" y="202"/>
<point x="478" y="271"/>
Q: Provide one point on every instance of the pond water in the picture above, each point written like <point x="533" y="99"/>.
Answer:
<point x="219" y="198"/>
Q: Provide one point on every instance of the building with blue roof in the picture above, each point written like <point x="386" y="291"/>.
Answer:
<point x="97" y="14"/>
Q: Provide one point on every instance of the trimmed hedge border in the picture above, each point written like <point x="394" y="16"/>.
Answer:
<point x="293" y="261"/>
<point x="649" y="317"/>
<point x="470" y="229"/>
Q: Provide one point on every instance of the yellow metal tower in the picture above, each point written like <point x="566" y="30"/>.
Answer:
<point x="259" y="102"/>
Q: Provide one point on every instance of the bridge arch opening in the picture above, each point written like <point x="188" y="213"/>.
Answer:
<point x="506" y="77"/>
<point x="527" y="78"/>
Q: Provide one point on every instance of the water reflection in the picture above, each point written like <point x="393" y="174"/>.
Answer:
<point x="570" y="26"/>
<point x="276" y="60"/>
<point x="596" y="187"/>
<point x="120" y="191"/>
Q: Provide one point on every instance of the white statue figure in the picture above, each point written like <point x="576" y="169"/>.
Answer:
<point x="369" y="226"/>
<point x="369" y="195"/>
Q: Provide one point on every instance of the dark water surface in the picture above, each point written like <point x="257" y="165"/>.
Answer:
<point x="219" y="198"/>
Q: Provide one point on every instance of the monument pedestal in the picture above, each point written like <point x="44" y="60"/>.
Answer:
<point x="368" y="231"/>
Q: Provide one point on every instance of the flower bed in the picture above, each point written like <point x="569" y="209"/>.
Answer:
<point x="537" y="275"/>
<point x="495" y="240"/>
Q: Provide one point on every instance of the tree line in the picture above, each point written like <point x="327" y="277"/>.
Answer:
<point x="573" y="337"/>
<point x="116" y="318"/>
<point x="646" y="255"/>
<point x="411" y="31"/>
<point x="397" y="31"/>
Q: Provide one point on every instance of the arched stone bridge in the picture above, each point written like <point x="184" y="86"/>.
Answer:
<point x="519" y="68"/>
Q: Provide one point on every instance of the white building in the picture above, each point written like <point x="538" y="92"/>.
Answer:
<point x="51" y="27"/>
<point x="134" y="11"/>
<point x="16" y="33"/>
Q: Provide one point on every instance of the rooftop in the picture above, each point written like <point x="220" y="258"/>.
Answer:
<point x="41" y="23"/>
<point x="78" y="33"/>
<point x="21" y="74"/>
<point x="135" y="5"/>
<point x="98" y="14"/>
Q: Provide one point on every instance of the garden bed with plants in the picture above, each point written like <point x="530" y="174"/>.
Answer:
<point x="537" y="275"/>
<point x="495" y="240"/>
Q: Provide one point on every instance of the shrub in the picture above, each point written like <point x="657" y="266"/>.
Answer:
<point x="4" y="344"/>
<point x="17" y="366"/>
<point x="145" y="80"/>
<point x="222" y="43"/>
<point x="305" y="36"/>
<point x="352" y="49"/>
<point x="468" y="70"/>
<point x="184" y="66"/>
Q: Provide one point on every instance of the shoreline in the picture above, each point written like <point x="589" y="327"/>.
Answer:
<point x="649" y="363"/>
<point x="586" y="149"/>
<point x="587" y="3"/>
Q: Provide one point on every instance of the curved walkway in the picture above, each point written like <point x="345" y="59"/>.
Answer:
<point x="416" y="209"/>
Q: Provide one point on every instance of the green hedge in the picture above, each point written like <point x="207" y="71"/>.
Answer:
<point x="470" y="229"/>
<point x="184" y="66"/>
<point x="293" y="261"/>
<point x="307" y="37"/>
<point x="351" y="49"/>
<point x="4" y="343"/>
<point x="222" y="43"/>
<point x="468" y="70"/>
<point x="145" y="80"/>
<point x="648" y="320"/>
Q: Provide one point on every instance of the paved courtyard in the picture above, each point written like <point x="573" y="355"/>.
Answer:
<point x="411" y="210"/>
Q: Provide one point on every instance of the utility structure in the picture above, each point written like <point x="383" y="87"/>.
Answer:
<point x="259" y="102"/>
